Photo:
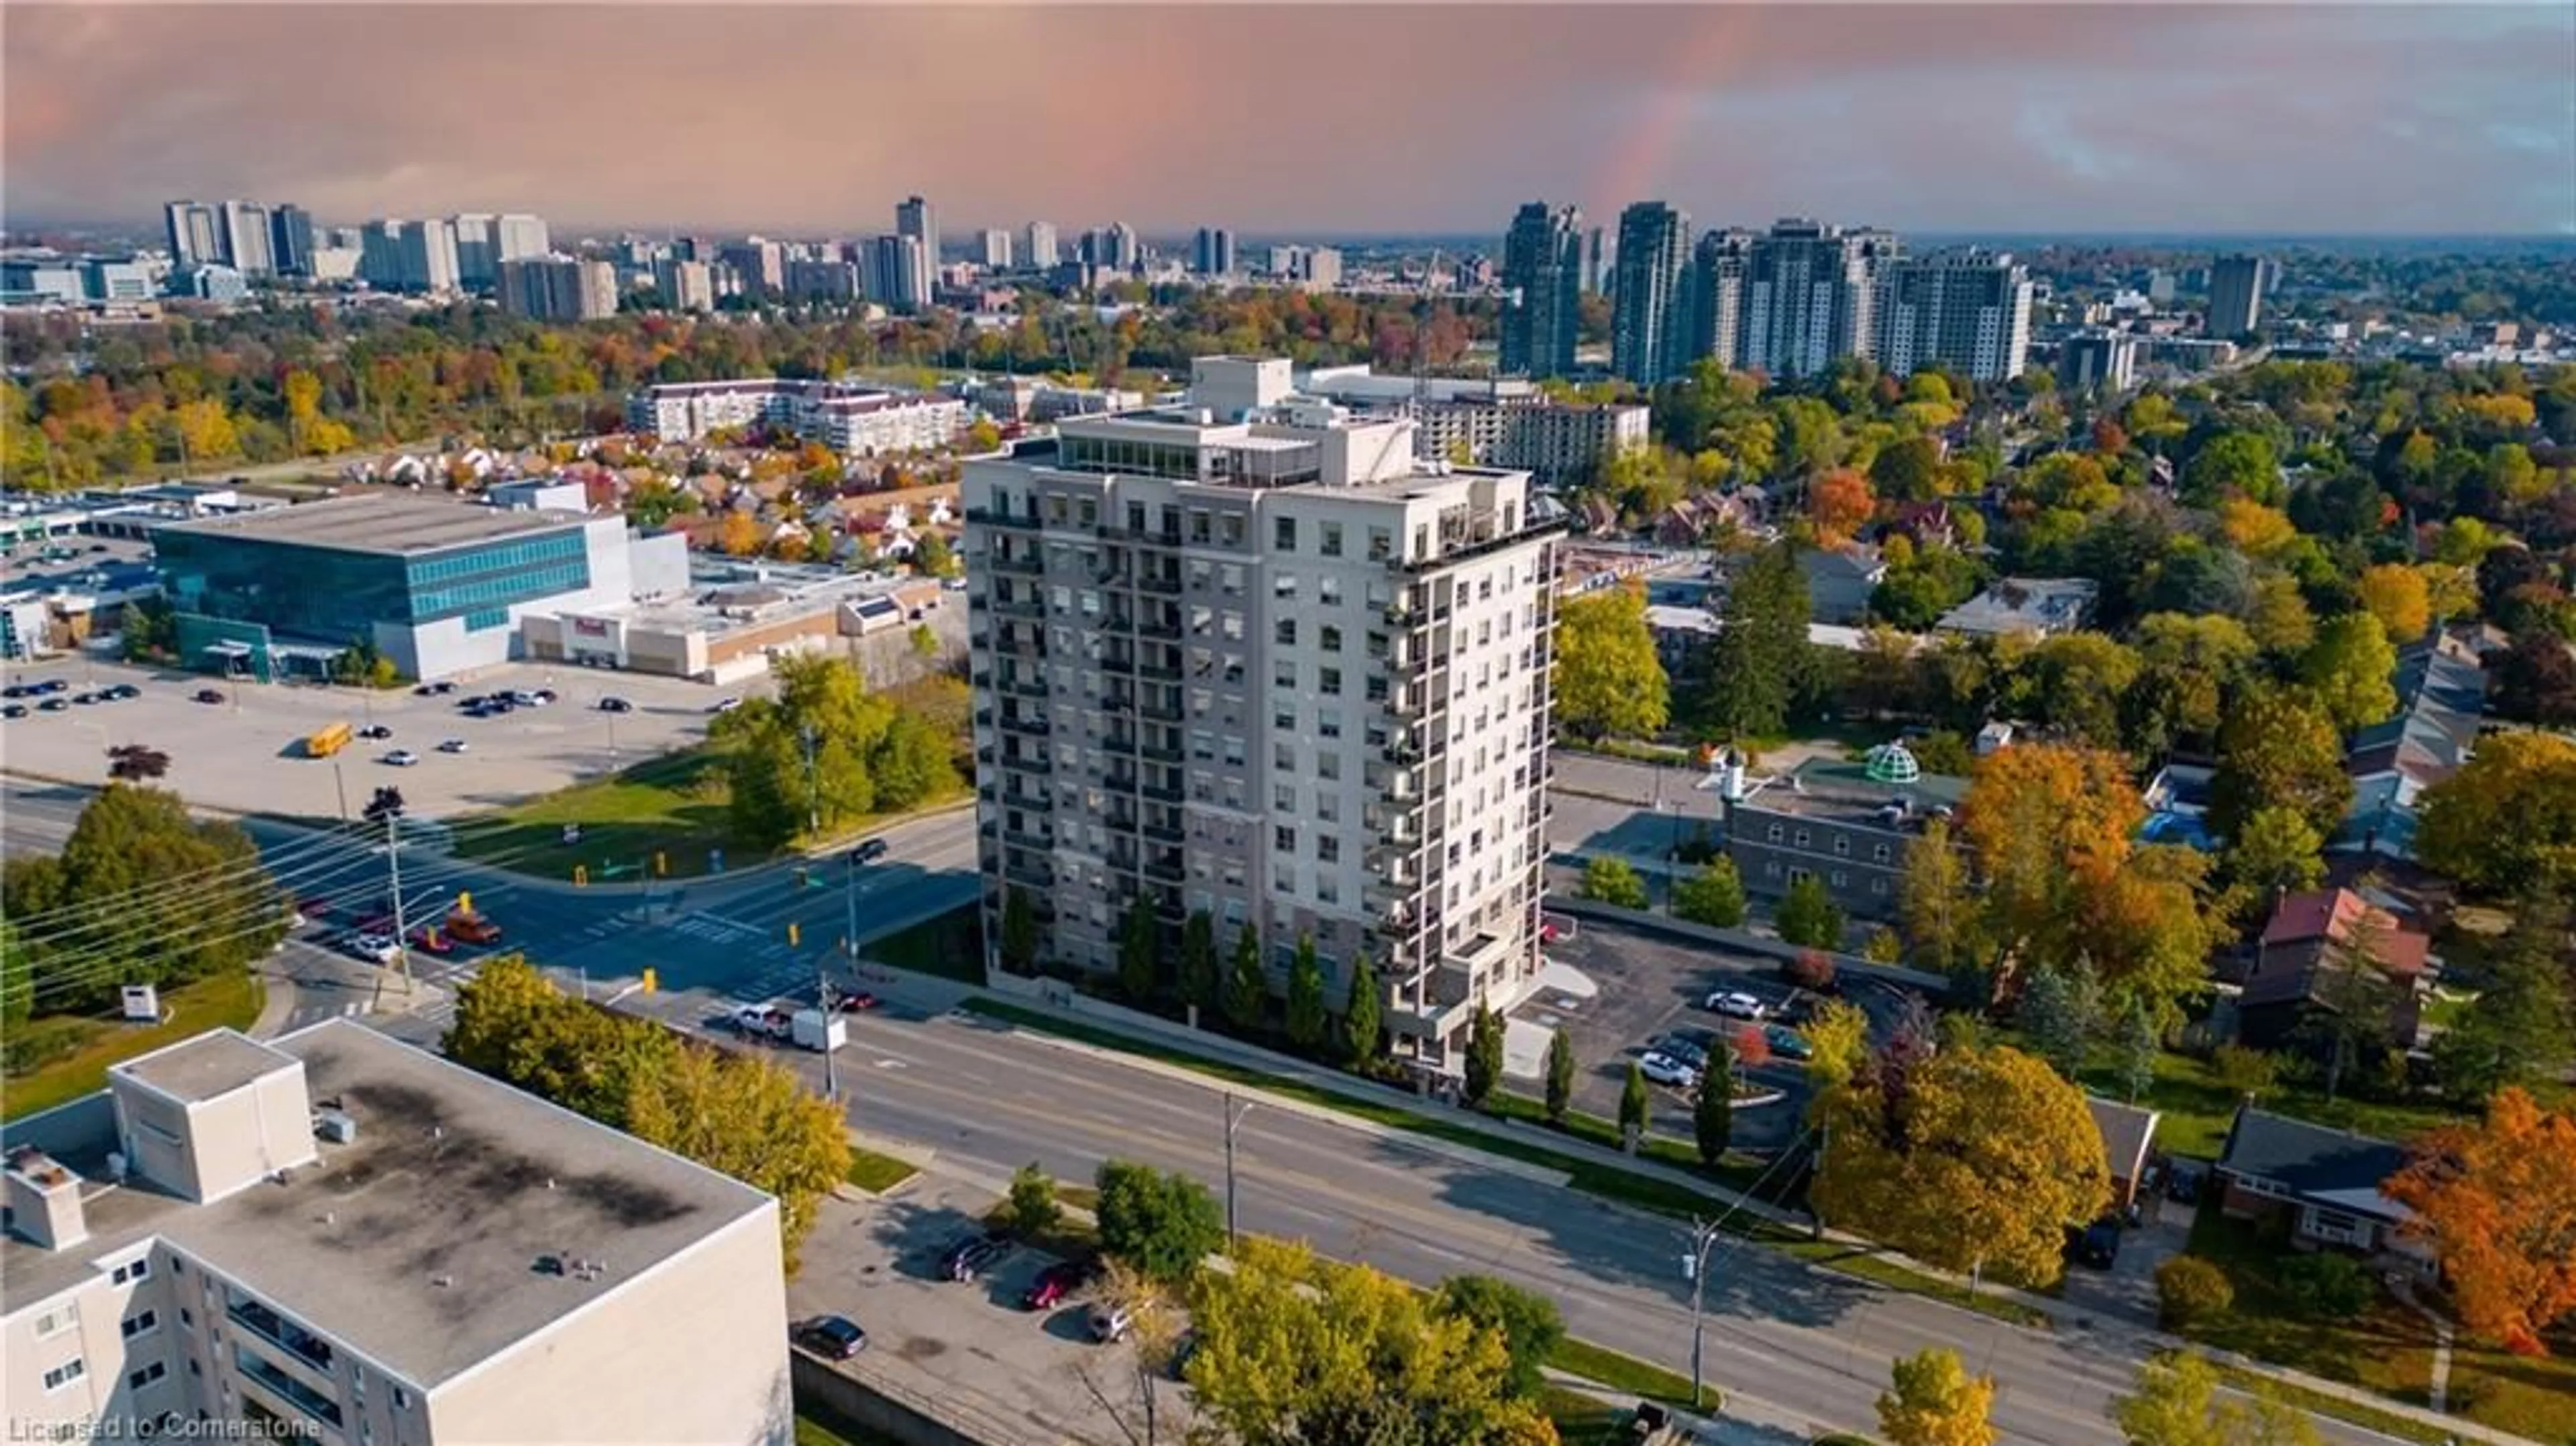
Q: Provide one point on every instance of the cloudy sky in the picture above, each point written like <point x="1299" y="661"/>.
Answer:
<point x="1313" y="118"/>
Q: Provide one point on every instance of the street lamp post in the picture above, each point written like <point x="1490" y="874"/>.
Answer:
<point x="850" y="910"/>
<point x="1233" y="1121"/>
<point x="340" y="784"/>
<point x="825" y="1002"/>
<point x="1704" y="1233"/>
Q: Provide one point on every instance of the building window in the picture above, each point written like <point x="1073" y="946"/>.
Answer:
<point x="1286" y="633"/>
<point x="1842" y="846"/>
<point x="1381" y="543"/>
<point x="142" y="1323"/>
<point x="1328" y="849"/>
<point x="1878" y="887"/>
<point x="1775" y="832"/>
<point x="1878" y="853"/>
<point x="55" y="1322"/>
<point x="1284" y="676"/>
<point x="1332" y="682"/>
<point x="1332" y="639"/>
<point x="64" y="1374"/>
<point x="139" y="1268"/>
<point x="1840" y="879"/>
<point x="1284" y="839"/>
<point x="1283" y="797"/>
<point x="1332" y="540"/>
<point x="1284" y="534"/>
<point x="1801" y="840"/>
<point x="137" y="1380"/>
<point x="1771" y="870"/>
<point x="1284" y="586"/>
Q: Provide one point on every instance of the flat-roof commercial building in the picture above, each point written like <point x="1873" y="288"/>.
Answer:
<point x="437" y="586"/>
<point x="1251" y="656"/>
<point x="337" y="1237"/>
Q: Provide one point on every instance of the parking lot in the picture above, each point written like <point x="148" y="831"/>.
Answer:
<point x="971" y="1348"/>
<point x="245" y="753"/>
<point x="1646" y="987"/>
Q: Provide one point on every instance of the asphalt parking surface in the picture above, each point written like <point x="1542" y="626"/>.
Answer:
<point x="1647" y="987"/>
<point x="245" y="754"/>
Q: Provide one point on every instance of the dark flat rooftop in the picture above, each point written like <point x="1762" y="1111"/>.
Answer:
<point x="395" y="524"/>
<point x="416" y="1244"/>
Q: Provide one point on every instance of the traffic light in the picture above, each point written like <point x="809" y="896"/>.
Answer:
<point x="652" y="981"/>
<point x="464" y="902"/>
<point x="794" y="937"/>
<point x="581" y="874"/>
<point x="388" y="803"/>
<point x="661" y="864"/>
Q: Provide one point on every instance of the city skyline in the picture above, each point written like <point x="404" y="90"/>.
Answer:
<point x="2073" y="119"/>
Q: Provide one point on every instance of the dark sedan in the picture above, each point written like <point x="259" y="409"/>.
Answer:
<point x="833" y="1337"/>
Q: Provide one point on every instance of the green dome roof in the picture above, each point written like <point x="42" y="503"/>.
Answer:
<point x="1890" y="763"/>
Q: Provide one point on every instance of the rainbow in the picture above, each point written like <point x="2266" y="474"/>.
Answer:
<point x="1638" y="167"/>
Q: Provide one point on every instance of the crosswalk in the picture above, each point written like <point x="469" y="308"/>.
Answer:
<point x="717" y="929"/>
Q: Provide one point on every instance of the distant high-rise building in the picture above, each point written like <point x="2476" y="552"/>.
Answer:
<point x="2160" y="287"/>
<point x="760" y="265"/>
<point x="193" y="239"/>
<point x="1320" y="267"/>
<point x="429" y="256"/>
<point x="917" y="219"/>
<point x="2236" y="287"/>
<point x="242" y="229"/>
<point x="1542" y="280"/>
<point x="825" y="279"/>
<point x="1042" y="247"/>
<point x="1649" y="306"/>
<point x="1969" y="310"/>
<point x="290" y="240"/>
<point x="1126" y="250"/>
<point x="1810" y="297"/>
<point x="477" y="268"/>
<point x="1717" y="295"/>
<point x="558" y="288"/>
<point x="2098" y="361"/>
<point x="898" y="275"/>
<point x="517" y="235"/>
<point x="685" y="285"/>
<point x="1596" y="262"/>
<point x="993" y="249"/>
<point x="1212" y="253"/>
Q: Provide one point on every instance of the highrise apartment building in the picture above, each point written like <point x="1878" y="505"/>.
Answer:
<point x="1810" y="297"/>
<point x="1247" y="657"/>
<point x="1542" y="282"/>
<point x="290" y="240"/>
<point x="477" y="267"/>
<point x="559" y="288"/>
<point x="919" y="220"/>
<point x="2098" y="361"/>
<point x="1969" y="310"/>
<point x="1650" y="308"/>
<point x="1596" y="263"/>
<point x="415" y="256"/>
<point x="193" y="240"/>
<point x="2236" y="287"/>
<point x="1042" y="246"/>
<point x="517" y="236"/>
<point x="242" y="226"/>
<point x="685" y="285"/>
<point x="896" y="275"/>
<point x="1716" y="286"/>
<point x="335" y="1237"/>
<point x="759" y="267"/>
<point x="1212" y="252"/>
<point x="993" y="249"/>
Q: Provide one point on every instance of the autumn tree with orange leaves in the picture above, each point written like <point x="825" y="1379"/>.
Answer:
<point x="2497" y="1200"/>
<point x="1839" y="502"/>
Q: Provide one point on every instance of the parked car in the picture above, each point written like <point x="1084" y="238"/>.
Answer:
<point x="1056" y="1282"/>
<point x="1689" y="1051"/>
<point x="374" y="948"/>
<point x="1787" y="1043"/>
<point x="52" y="705"/>
<point x="402" y="758"/>
<point x="89" y="698"/>
<point x="1110" y="1322"/>
<point x="1739" y="1005"/>
<point x="435" y="690"/>
<point x="376" y="730"/>
<point x="764" y="1021"/>
<point x="451" y="745"/>
<point x="543" y="696"/>
<point x="13" y="710"/>
<point x="833" y="1337"/>
<point x="972" y="1256"/>
<point x="125" y="690"/>
<point x="1663" y="1069"/>
<point x="211" y="695"/>
<point x="868" y="851"/>
<point x="51" y="685"/>
<point x="615" y="705"/>
<point x="428" y="940"/>
<point x="2096" y="1245"/>
<point x="858" y="1002"/>
<point x="724" y="705"/>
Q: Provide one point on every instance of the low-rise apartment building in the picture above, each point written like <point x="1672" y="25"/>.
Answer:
<point x="1501" y="423"/>
<point x="1848" y="824"/>
<point x="846" y="417"/>
<point x="336" y="1237"/>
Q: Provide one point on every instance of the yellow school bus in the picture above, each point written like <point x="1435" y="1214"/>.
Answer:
<point x="327" y="742"/>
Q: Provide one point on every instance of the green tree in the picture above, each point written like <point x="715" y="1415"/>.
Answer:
<point x="2506" y="821"/>
<point x="1032" y="1210"/>
<point x="2278" y="750"/>
<point x="1307" y="1020"/>
<point x="1934" y="901"/>
<point x="2191" y="1292"/>
<point x="1527" y="1322"/>
<point x="933" y="556"/>
<point x="2140" y="1043"/>
<point x="1760" y="659"/>
<point x="1161" y="1223"/>
<point x="1837" y="1043"/>
<point x="1560" y="1075"/>
<point x="1609" y="880"/>
<point x="1609" y="681"/>
<point x="1139" y="945"/>
<point x="2350" y="669"/>
<point x="2355" y="998"/>
<point x="2276" y="852"/>
<point x="2059" y="1010"/>
<point x="1633" y="1103"/>
<point x="1363" y="1016"/>
<point x="1933" y="1401"/>
<point x="1714" y="896"/>
<point x="1970" y="1158"/>
<point x="2240" y="464"/>
<point x="1298" y="1351"/>
<point x="1808" y="914"/>
<point x="1713" y="1107"/>
<point x="824" y="753"/>
<point x="2177" y="1404"/>
<point x="1200" y="984"/>
<point x="1484" y="1054"/>
<point x="2243" y="1073"/>
<point x="2522" y="1025"/>
<point x="1019" y="932"/>
<point x="740" y="1116"/>
<point x="1247" y="986"/>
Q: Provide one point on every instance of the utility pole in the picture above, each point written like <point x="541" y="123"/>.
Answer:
<point x="813" y="789"/>
<point x="1233" y="1121"/>
<point x="850" y="909"/>
<point x="388" y="805"/>
<point x="825" y="1001"/>
<point x="1704" y="1233"/>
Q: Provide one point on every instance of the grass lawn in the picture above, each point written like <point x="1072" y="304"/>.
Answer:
<point x="877" y="1173"/>
<point x="2534" y="1398"/>
<point x="1583" y="1420"/>
<point x="233" y="1000"/>
<point x="2197" y="1109"/>
<point x="950" y="946"/>
<point x="815" y="1427"/>
<point x="1627" y="1375"/>
<point x="1644" y="1192"/>
<point x="673" y="806"/>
